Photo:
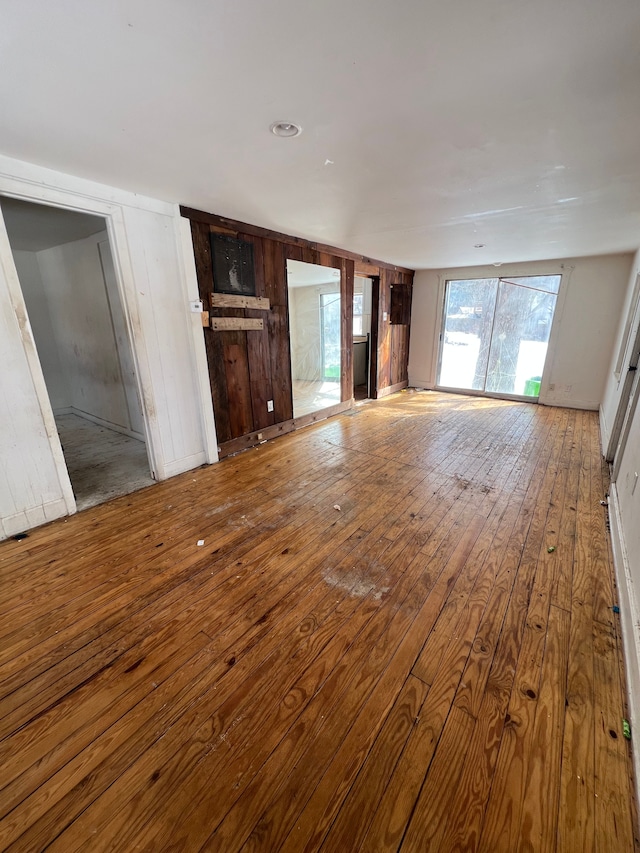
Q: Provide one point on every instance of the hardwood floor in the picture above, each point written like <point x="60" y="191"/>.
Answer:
<point x="398" y="635"/>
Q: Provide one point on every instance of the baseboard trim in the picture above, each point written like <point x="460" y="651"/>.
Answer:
<point x="235" y="445"/>
<point x="583" y="405"/>
<point x="187" y="463"/>
<point x="392" y="389"/>
<point x="32" y="517"/>
<point x="630" y="624"/>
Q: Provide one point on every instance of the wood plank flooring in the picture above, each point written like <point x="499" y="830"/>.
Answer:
<point x="398" y="635"/>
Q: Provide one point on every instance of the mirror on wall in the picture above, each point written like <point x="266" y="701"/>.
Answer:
<point x="314" y="322"/>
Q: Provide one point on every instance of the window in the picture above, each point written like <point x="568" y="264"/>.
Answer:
<point x="358" y="310"/>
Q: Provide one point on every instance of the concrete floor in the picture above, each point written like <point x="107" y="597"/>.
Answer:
<point x="102" y="463"/>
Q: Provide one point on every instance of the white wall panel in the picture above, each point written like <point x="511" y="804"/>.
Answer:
<point x="76" y="295"/>
<point x="156" y="278"/>
<point x="39" y="312"/>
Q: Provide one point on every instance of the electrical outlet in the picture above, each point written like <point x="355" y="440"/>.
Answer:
<point x="269" y="405"/>
<point x="196" y="306"/>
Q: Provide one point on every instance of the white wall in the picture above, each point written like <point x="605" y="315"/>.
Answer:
<point x="614" y="385"/>
<point x="154" y="263"/>
<point x="587" y="315"/>
<point x="624" y="504"/>
<point x="39" y="312"/>
<point x="126" y="359"/>
<point x="82" y="323"/>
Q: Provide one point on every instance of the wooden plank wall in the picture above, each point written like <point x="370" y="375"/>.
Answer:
<point x="392" y="338"/>
<point x="249" y="368"/>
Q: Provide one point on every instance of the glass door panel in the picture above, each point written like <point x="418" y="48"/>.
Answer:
<point x="520" y="340"/>
<point x="469" y="311"/>
<point x="496" y="334"/>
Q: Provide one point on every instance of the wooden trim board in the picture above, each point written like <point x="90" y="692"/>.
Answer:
<point x="231" y="324"/>
<point x="226" y="300"/>
<point x="399" y="386"/>
<point x="253" y="438"/>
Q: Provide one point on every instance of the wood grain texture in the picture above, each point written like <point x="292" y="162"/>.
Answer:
<point x="213" y="343"/>
<point x="223" y="300"/>
<point x="413" y="671"/>
<point x="264" y="369"/>
<point x="229" y="324"/>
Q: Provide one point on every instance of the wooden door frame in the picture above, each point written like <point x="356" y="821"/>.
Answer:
<point x="627" y="378"/>
<point x="374" y="335"/>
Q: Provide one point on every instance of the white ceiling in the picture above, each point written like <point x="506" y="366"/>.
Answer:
<point x="34" y="227"/>
<point x="512" y="123"/>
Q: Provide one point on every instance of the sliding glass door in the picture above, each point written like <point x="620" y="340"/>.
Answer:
<point x="496" y="334"/>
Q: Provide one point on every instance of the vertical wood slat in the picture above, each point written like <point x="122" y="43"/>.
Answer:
<point x="275" y="276"/>
<point x="375" y="336"/>
<point x="258" y="348"/>
<point x="392" y="339"/>
<point x="346" y="329"/>
<point x="236" y="368"/>
<point x="384" y="333"/>
<point x="213" y="343"/>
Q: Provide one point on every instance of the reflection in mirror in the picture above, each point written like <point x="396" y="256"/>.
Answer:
<point x="314" y="322"/>
<point x="361" y="336"/>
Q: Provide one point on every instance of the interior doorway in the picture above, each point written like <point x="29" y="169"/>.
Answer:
<point x="362" y="289"/>
<point x="496" y="334"/>
<point x="69" y="285"/>
<point x="626" y="372"/>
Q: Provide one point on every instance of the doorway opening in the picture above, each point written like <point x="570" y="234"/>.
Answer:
<point x="626" y="372"/>
<point x="496" y="334"/>
<point x="361" y="337"/>
<point x="69" y="285"/>
<point x="315" y="316"/>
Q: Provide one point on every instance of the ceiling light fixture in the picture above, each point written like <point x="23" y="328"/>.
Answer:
<point x="285" y="129"/>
